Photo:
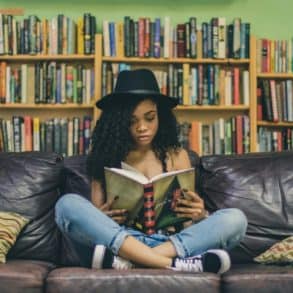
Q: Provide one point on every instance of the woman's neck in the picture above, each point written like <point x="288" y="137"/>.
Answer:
<point x="143" y="150"/>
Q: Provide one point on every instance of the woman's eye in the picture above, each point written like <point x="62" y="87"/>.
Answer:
<point x="150" y="118"/>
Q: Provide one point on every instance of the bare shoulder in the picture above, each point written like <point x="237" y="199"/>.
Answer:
<point x="179" y="159"/>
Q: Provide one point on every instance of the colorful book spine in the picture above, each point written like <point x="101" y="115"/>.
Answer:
<point x="149" y="209"/>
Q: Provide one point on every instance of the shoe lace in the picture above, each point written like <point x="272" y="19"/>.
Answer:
<point x="121" y="264"/>
<point x="189" y="264"/>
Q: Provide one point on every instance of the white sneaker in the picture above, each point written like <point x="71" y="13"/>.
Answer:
<point x="103" y="258"/>
<point x="213" y="261"/>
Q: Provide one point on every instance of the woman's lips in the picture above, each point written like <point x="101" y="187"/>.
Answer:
<point x="143" y="137"/>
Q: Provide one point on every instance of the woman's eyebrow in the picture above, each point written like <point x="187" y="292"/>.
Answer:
<point x="150" y="112"/>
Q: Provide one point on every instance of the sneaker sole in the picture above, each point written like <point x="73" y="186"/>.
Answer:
<point x="98" y="257"/>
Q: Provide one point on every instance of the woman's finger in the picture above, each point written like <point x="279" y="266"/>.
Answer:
<point x="191" y="195"/>
<point x="189" y="203"/>
<point x="119" y="220"/>
<point x="181" y="215"/>
<point x="108" y="204"/>
<point x="117" y="212"/>
<point x="188" y="210"/>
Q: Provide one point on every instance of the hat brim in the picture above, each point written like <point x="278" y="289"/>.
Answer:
<point x="115" y="98"/>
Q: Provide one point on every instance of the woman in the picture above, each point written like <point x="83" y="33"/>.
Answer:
<point x="137" y="126"/>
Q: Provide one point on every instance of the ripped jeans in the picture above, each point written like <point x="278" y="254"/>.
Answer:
<point x="86" y="226"/>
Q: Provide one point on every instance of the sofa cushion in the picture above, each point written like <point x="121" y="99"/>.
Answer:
<point x="136" y="280"/>
<point x="261" y="185"/>
<point x="76" y="181"/>
<point x="24" y="276"/>
<point x="29" y="185"/>
<point x="10" y="226"/>
<point x="258" y="278"/>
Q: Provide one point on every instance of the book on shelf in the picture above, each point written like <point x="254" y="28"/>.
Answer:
<point x="61" y="135"/>
<point x="58" y="35"/>
<point x="150" y="202"/>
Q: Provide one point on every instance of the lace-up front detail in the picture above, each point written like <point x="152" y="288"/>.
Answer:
<point x="121" y="264"/>
<point x="193" y="264"/>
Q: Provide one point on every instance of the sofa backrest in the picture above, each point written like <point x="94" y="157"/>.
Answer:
<point x="30" y="185"/>
<point x="261" y="185"/>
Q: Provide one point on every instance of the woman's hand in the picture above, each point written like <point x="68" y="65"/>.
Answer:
<point x="118" y="216"/>
<point x="190" y="206"/>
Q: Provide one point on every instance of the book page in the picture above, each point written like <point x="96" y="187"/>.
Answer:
<point x="126" y="166"/>
<point x="131" y="174"/>
<point x="171" y="173"/>
<point x="128" y="191"/>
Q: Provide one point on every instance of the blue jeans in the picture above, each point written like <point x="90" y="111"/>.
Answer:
<point x="87" y="226"/>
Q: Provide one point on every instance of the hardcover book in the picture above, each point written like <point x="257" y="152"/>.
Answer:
<point x="149" y="202"/>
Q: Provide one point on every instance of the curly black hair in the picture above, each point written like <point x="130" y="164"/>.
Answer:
<point x="112" y="140"/>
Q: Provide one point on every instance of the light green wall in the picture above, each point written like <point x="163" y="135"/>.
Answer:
<point x="269" y="18"/>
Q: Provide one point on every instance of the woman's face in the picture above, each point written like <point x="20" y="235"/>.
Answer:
<point x="144" y="123"/>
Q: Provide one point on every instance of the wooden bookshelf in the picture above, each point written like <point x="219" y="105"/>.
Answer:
<point x="281" y="127"/>
<point x="206" y="113"/>
<point x="68" y="113"/>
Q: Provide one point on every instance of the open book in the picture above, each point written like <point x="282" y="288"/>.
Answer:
<point x="132" y="187"/>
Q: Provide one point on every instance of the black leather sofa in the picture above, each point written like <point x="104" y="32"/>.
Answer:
<point x="43" y="261"/>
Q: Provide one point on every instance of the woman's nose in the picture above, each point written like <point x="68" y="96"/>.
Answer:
<point x="141" y="127"/>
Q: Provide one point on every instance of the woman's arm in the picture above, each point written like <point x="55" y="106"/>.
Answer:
<point x="181" y="160"/>
<point x="98" y="198"/>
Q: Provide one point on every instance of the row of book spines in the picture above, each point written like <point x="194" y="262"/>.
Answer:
<point x="274" y="56"/>
<point x="213" y="85"/>
<point x="60" y="35"/>
<point x="46" y="82"/>
<point x="230" y="136"/>
<point x="65" y="136"/>
<point x="206" y="84"/>
<point x="270" y="140"/>
<point x="146" y="38"/>
<point x="275" y="100"/>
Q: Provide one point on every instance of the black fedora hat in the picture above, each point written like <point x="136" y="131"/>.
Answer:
<point x="140" y="83"/>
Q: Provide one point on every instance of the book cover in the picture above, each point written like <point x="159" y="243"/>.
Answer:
<point x="149" y="202"/>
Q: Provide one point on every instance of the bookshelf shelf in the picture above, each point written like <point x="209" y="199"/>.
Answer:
<point x="175" y="60"/>
<point x="44" y="106"/>
<point x="46" y="57"/>
<point x="213" y="108"/>
<point x="275" y="75"/>
<point x="274" y="124"/>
